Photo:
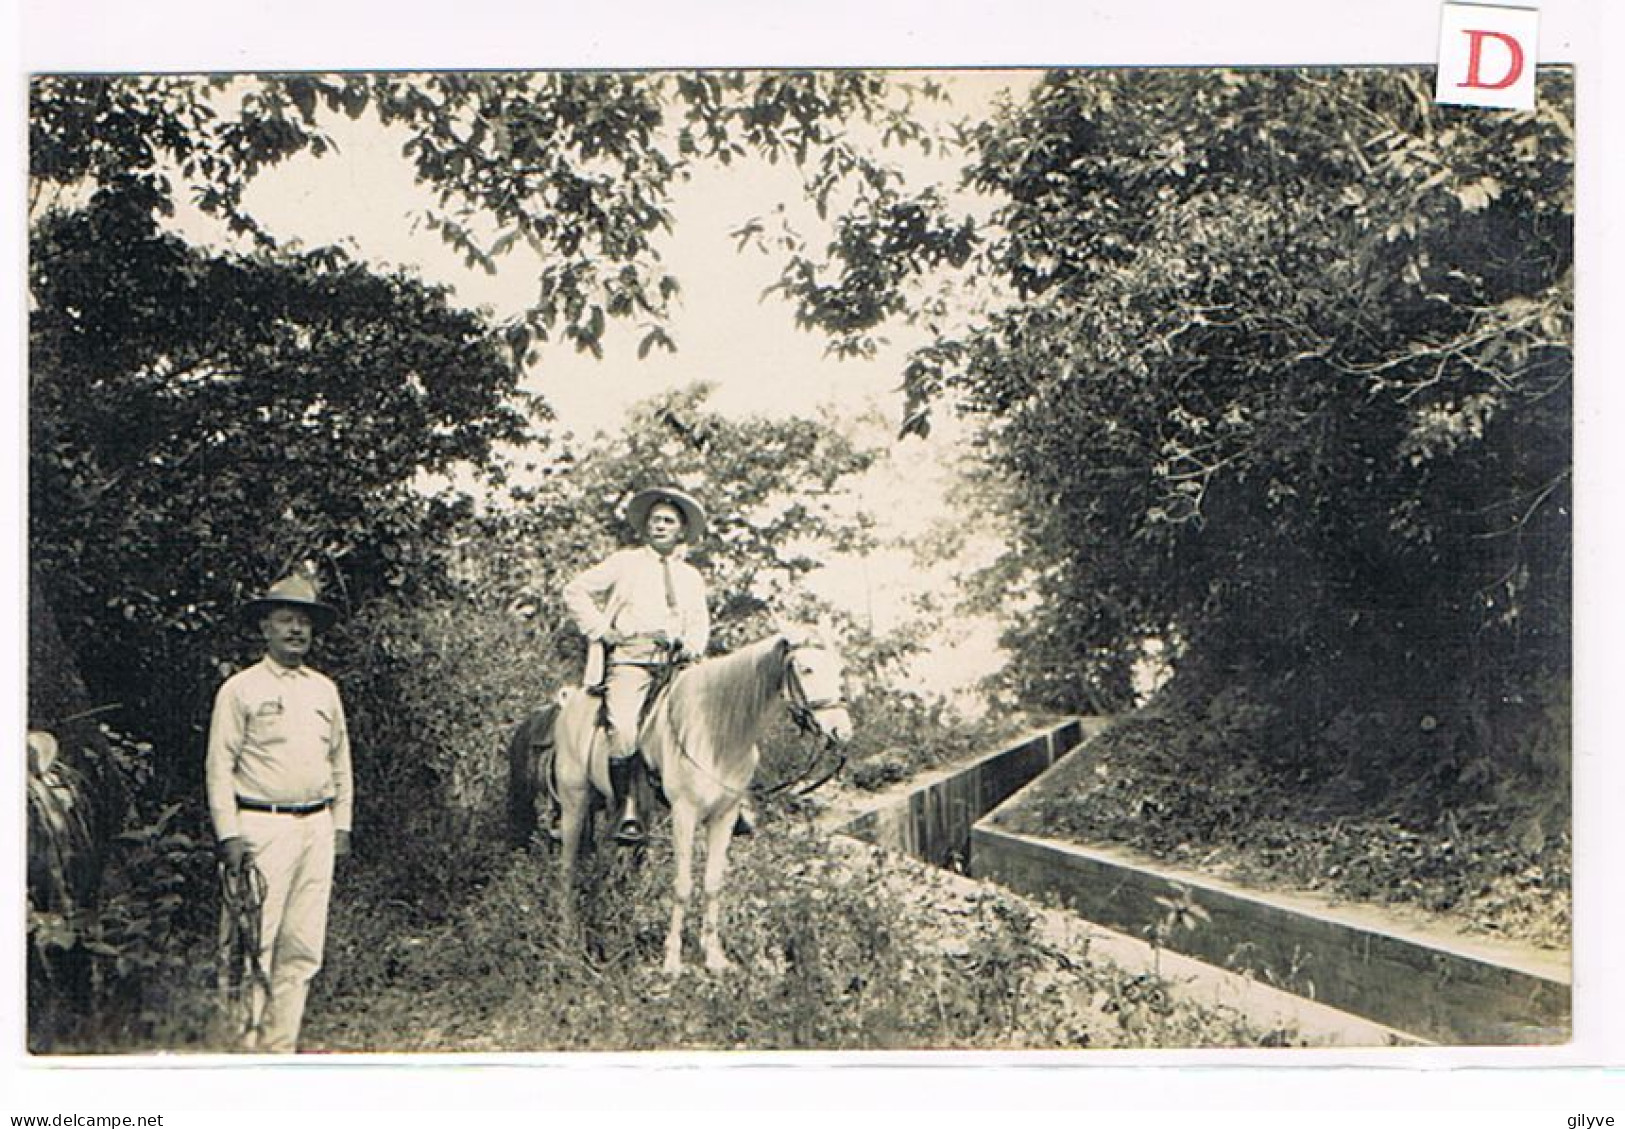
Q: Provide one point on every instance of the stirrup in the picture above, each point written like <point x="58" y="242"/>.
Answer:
<point x="630" y="833"/>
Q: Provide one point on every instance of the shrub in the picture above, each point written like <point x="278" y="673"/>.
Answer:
<point x="833" y="950"/>
<point x="131" y="969"/>
<point x="432" y="701"/>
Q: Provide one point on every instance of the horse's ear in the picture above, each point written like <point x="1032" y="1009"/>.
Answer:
<point x="800" y="635"/>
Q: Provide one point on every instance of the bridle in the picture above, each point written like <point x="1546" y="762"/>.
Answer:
<point x="803" y="709"/>
<point x="804" y="712"/>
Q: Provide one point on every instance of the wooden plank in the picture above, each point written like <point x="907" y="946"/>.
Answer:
<point x="1075" y="940"/>
<point x="933" y="821"/>
<point x="1437" y="990"/>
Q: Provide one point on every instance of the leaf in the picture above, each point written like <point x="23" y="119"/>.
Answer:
<point x="518" y="341"/>
<point x="303" y="94"/>
<point x="751" y="232"/>
<point x="655" y="336"/>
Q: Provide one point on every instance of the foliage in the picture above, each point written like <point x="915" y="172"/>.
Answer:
<point x="1282" y="381"/>
<point x="435" y="686"/>
<point x="1468" y="841"/>
<point x="204" y="421"/>
<point x="898" y="734"/>
<point x="431" y="700"/>
<point x="572" y="168"/>
<point x="774" y="490"/>
<point x="130" y="968"/>
<point x="59" y="833"/>
<point x="301" y="395"/>
<point x="866" y="952"/>
<point x="201" y="424"/>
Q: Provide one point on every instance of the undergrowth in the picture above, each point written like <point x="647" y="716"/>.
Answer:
<point x="1492" y="860"/>
<point x="831" y="954"/>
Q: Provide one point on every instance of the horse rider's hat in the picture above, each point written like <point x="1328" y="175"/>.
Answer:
<point x="637" y="510"/>
<point x="296" y="591"/>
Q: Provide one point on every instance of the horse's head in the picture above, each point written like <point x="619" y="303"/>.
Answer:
<point x="814" y="687"/>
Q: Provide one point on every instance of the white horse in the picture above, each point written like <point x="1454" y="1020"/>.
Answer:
<point x="701" y="738"/>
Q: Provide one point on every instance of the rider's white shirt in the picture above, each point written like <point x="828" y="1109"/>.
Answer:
<point x="627" y="592"/>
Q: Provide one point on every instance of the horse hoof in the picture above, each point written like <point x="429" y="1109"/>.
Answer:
<point x="718" y="964"/>
<point x="672" y="968"/>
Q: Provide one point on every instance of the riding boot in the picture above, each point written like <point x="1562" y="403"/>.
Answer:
<point x="623" y="778"/>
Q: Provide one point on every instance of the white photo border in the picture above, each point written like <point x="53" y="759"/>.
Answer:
<point x="188" y="35"/>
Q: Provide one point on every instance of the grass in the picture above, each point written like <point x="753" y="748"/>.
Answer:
<point x="453" y="944"/>
<point x="867" y="952"/>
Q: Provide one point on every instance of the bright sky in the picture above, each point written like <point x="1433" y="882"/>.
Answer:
<point x="364" y="197"/>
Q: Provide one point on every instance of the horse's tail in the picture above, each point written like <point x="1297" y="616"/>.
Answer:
<point x="529" y="753"/>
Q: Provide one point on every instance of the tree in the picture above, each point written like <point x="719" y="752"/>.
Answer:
<point x="1282" y="380"/>
<point x="572" y="168"/>
<point x="202" y="421"/>
<point x="442" y="683"/>
<point x="202" y="424"/>
<point x="163" y="375"/>
<point x="772" y="487"/>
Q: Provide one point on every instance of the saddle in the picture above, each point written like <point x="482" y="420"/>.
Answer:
<point x="598" y="758"/>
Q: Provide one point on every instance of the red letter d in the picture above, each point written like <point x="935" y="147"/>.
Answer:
<point x="1514" y="69"/>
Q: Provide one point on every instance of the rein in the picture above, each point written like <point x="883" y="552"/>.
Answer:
<point x="242" y="899"/>
<point x="806" y="771"/>
<point x="804" y="712"/>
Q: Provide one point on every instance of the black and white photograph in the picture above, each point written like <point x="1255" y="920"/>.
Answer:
<point x="733" y="560"/>
<point x="964" y="508"/>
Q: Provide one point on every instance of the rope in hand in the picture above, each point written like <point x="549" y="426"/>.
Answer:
<point x="242" y="898"/>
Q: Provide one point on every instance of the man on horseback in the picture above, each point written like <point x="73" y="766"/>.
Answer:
<point x="643" y="610"/>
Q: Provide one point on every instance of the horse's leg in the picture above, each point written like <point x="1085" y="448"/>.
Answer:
<point x="573" y="803"/>
<point x="719" y="832"/>
<point x="682" y="845"/>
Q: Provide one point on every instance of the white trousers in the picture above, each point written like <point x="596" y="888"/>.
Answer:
<point x="295" y="854"/>
<point x="627" y="686"/>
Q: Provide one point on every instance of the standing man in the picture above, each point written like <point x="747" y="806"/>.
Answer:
<point x="641" y="609"/>
<point x="279" y="785"/>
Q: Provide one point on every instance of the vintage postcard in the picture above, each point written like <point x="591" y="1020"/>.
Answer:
<point x="635" y="561"/>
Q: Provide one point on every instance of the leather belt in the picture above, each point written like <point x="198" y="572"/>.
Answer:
<point x="308" y="808"/>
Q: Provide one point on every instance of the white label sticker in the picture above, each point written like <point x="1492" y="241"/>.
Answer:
<point x="1487" y="56"/>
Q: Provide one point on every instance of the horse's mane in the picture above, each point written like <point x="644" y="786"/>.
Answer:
<point x="726" y="697"/>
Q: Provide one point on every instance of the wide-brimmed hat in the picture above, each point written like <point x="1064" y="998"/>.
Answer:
<point x="294" y="591"/>
<point x="637" y="510"/>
